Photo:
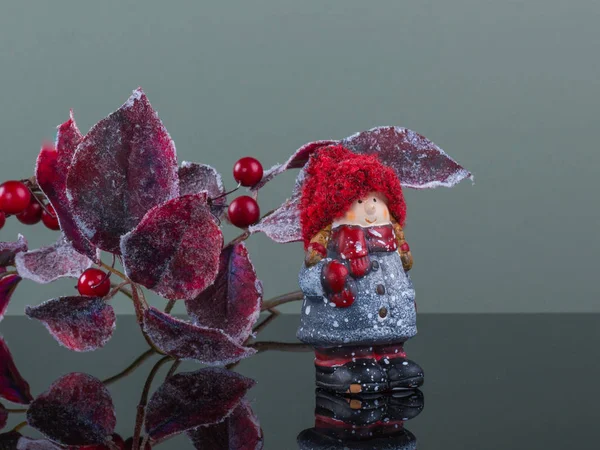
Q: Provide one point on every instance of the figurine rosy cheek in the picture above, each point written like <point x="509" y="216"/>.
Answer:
<point x="359" y="305"/>
<point x="348" y="209"/>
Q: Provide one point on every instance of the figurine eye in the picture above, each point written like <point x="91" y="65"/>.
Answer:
<point x="374" y="199"/>
<point x="360" y="201"/>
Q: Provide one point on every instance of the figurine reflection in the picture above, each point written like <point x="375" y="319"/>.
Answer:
<point x="366" y="422"/>
<point x="359" y="302"/>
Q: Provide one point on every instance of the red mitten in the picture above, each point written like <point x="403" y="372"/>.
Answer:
<point x="334" y="277"/>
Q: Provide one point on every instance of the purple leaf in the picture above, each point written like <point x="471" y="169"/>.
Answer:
<point x="283" y="224"/>
<point x="51" y="174"/>
<point x="3" y="418"/>
<point x="175" y="248"/>
<point x="12" y="385"/>
<point x="79" y="323"/>
<point x="232" y="303"/>
<point x="8" y="250"/>
<point x="240" y="431"/>
<point x="76" y="410"/>
<point x="192" y="399"/>
<point x="9" y="441"/>
<point x="25" y="443"/>
<point x="187" y="341"/>
<point x="195" y="178"/>
<point x="418" y="162"/>
<point x="8" y="284"/>
<point x="296" y="161"/>
<point x="122" y="168"/>
<point x="48" y="264"/>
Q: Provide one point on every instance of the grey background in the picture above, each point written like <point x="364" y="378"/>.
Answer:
<point x="510" y="89"/>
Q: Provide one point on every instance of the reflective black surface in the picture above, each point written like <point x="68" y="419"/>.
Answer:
<point x="491" y="382"/>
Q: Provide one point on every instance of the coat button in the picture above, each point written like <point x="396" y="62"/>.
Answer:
<point x="380" y="289"/>
<point x="375" y="265"/>
<point x="383" y="312"/>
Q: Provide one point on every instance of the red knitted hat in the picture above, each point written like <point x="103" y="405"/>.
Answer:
<point x="335" y="178"/>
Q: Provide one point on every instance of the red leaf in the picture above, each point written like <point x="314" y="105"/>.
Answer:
<point x="418" y="162"/>
<point x="175" y="248"/>
<point x="48" y="264"/>
<point x="8" y="250"/>
<point x="12" y="385"/>
<point x="240" y="431"/>
<point x="76" y="410"/>
<point x="122" y="168"/>
<point x="232" y="303"/>
<point x="9" y="441"/>
<point x="25" y="443"/>
<point x="79" y="323"/>
<point x="8" y="284"/>
<point x="283" y="224"/>
<point x="296" y="161"/>
<point x="51" y="175"/>
<point x="3" y="417"/>
<point x="186" y="341"/>
<point x="192" y="399"/>
<point x="195" y="178"/>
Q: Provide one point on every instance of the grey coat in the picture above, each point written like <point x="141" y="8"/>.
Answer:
<point x="373" y="318"/>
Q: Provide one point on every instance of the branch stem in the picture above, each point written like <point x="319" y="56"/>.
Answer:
<point x="280" y="300"/>
<point x="131" y="368"/>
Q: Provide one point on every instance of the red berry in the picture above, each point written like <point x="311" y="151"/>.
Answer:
<point x="2" y="219"/>
<point x="94" y="283"/>
<point x="50" y="219"/>
<point x="335" y="275"/>
<point x="14" y="197"/>
<point x="248" y="171"/>
<point x="32" y="214"/>
<point x="243" y="211"/>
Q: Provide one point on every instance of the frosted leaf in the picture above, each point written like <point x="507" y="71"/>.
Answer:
<point x="184" y="340"/>
<point x="8" y="250"/>
<point x="9" y="441"/>
<point x="175" y="248"/>
<point x="26" y="443"/>
<point x="418" y="162"/>
<point x="77" y="409"/>
<point x="12" y="385"/>
<point x="51" y="171"/>
<point x="82" y="324"/>
<point x="296" y="161"/>
<point x="240" y="431"/>
<point x="188" y="400"/>
<point x="48" y="264"/>
<point x="8" y="284"/>
<point x="122" y="168"/>
<point x="283" y="224"/>
<point x="232" y="303"/>
<point x="3" y="417"/>
<point x="195" y="178"/>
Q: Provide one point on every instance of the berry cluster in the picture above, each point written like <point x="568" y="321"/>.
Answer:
<point x="244" y="210"/>
<point x="17" y="199"/>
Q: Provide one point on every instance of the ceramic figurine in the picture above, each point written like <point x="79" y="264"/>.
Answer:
<point x="359" y="303"/>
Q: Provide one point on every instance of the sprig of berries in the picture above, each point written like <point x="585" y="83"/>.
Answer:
<point x="244" y="210"/>
<point x="17" y="199"/>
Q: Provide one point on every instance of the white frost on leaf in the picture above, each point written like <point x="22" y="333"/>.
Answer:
<point x="48" y="264"/>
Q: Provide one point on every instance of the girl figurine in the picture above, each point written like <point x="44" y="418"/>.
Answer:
<point x="359" y="302"/>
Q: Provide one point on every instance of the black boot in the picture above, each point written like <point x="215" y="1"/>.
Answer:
<point x="403" y="373"/>
<point x="354" y="377"/>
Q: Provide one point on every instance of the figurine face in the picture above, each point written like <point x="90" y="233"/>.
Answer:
<point x="371" y="210"/>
